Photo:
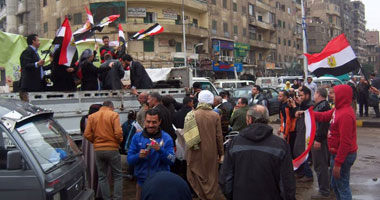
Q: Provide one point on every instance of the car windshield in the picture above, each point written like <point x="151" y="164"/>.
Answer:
<point x="47" y="141"/>
<point x="242" y="93"/>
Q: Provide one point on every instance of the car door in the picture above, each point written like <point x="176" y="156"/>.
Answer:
<point x="19" y="183"/>
<point x="274" y="104"/>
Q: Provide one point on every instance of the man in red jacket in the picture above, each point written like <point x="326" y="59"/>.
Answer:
<point x="341" y="139"/>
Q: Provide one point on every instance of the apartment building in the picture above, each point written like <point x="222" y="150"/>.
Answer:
<point x="359" y="43"/>
<point x="20" y="17"/>
<point x="373" y="49"/>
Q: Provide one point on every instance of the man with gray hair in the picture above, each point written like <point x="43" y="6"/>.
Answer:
<point x="320" y="149"/>
<point x="257" y="150"/>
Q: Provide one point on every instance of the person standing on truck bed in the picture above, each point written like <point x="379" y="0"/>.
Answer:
<point x="32" y="68"/>
<point x="112" y="79"/>
<point x="104" y="131"/>
<point x="138" y="75"/>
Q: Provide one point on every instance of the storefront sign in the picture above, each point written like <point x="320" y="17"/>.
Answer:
<point x="136" y="12"/>
<point x="227" y="67"/>
<point x="169" y="14"/>
<point x="270" y="65"/>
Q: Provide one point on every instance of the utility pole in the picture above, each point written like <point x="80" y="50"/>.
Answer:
<point x="304" y="39"/>
<point x="184" y="42"/>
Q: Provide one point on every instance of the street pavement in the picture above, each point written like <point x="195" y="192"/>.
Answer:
<point x="365" y="173"/>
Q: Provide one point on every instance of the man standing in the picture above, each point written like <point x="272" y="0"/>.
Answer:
<point x="140" y="116"/>
<point x="32" y="71"/>
<point x="112" y="79"/>
<point x="352" y="84"/>
<point x="179" y="117"/>
<point x="341" y="140"/>
<point x="295" y="84"/>
<point x="106" y="49"/>
<point x="258" y="164"/>
<point x="237" y="120"/>
<point x="203" y="158"/>
<point x="311" y="85"/>
<point x="288" y="123"/>
<point x="151" y="150"/>
<point x="138" y="75"/>
<point x="363" y="96"/>
<point x="320" y="149"/>
<point x="258" y="97"/>
<point x="104" y="131"/>
<point x="304" y="170"/>
<point x="155" y="101"/>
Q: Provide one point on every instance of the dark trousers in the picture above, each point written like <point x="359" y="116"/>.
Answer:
<point x="341" y="186"/>
<point x="365" y="105"/>
<point x="105" y="159"/>
<point x="376" y="108"/>
<point x="321" y="167"/>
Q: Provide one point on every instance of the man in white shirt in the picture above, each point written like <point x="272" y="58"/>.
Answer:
<point x="311" y="85"/>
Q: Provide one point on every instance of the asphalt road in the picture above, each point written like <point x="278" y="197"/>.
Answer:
<point x="365" y="173"/>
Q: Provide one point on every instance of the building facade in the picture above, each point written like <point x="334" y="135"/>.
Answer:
<point x="359" y="22"/>
<point x="373" y="49"/>
<point x="20" y="17"/>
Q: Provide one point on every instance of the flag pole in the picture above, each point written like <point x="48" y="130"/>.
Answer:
<point x="59" y="30"/>
<point x="364" y="74"/>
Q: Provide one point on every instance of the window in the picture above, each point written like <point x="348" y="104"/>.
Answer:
<point x="77" y="18"/>
<point x="252" y="32"/>
<point x="214" y="25"/>
<point x="178" y="47"/>
<point x="102" y="10"/>
<point x="45" y="27"/>
<point x="330" y="19"/>
<point x="45" y="3"/>
<point x="260" y="18"/>
<point x="234" y="6"/>
<point x="244" y="10"/>
<point x="260" y="37"/>
<point x="289" y="11"/>
<point x="21" y="18"/>
<point x="149" y="44"/>
<point x="251" y="10"/>
<point x="224" y="3"/>
<point x="235" y="30"/>
<point x="279" y="58"/>
<point x="289" y="43"/>
<point x="284" y="42"/>
<point x="213" y="2"/>
<point x="279" y="40"/>
<point x="149" y="18"/>
<point x="244" y="31"/>
<point x="195" y="22"/>
<point x="283" y="25"/>
<point x="178" y="20"/>
<point x="58" y="22"/>
<point x="279" y="23"/>
<point x="260" y="56"/>
<point x="225" y="27"/>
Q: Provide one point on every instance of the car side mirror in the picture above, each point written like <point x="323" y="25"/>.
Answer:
<point x="14" y="160"/>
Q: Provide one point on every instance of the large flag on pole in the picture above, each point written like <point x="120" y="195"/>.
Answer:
<point x="337" y="58"/>
<point x="64" y="38"/>
<point x="309" y="138"/>
<point x="122" y="43"/>
<point x="153" y="30"/>
<point x="87" y="31"/>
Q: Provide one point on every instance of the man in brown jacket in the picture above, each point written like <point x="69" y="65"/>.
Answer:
<point x="104" y="131"/>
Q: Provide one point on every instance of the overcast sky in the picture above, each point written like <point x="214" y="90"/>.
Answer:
<point x="372" y="14"/>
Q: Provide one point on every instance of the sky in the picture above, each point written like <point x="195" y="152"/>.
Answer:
<point x="372" y="14"/>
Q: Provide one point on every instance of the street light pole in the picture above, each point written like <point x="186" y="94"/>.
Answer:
<point x="304" y="38"/>
<point x="184" y="41"/>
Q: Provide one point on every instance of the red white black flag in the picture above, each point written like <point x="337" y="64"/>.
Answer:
<point x="122" y="43"/>
<point x="337" y="58"/>
<point x="153" y="30"/>
<point x="89" y="15"/>
<point x="64" y="38"/>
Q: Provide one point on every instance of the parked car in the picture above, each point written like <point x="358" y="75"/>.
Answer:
<point x="327" y="81"/>
<point x="38" y="159"/>
<point x="270" y="93"/>
<point x="267" y="82"/>
<point x="228" y="84"/>
<point x="283" y="79"/>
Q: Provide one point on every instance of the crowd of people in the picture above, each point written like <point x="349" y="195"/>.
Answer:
<point x="82" y="74"/>
<point x="186" y="143"/>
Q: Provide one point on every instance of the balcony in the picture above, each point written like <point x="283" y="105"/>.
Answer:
<point x="171" y="28"/>
<point x="191" y="5"/>
<point x="262" y="6"/>
<point x="262" y="44"/>
<point x="3" y="13"/>
<point x="331" y="10"/>
<point x="264" y="25"/>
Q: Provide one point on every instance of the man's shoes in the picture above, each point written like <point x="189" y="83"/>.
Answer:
<point x="319" y="195"/>
<point x="305" y="179"/>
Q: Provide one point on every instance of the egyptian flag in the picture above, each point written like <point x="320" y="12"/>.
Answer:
<point x="122" y="43"/>
<point x="153" y="30"/>
<point x="106" y="21"/>
<point x="136" y="34"/>
<point x="309" y="138"/>
<point x="89" y="15"/>
<point x="64" y="37"/>
<point x="84" y="33"/>
<point x="337" y="58"/>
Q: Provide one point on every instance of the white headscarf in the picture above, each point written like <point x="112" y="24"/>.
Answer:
<point x="206" y="96"/>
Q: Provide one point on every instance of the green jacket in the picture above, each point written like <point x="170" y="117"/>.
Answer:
<point x="238" y="119"/>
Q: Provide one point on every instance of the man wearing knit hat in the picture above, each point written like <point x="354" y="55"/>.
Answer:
<point x="202" y="129"/>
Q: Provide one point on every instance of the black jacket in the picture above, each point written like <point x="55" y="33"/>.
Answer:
<point x="112" y="79"/>
<point x="322" y="127"/>
<point x="166" y="120"/>
<point x="258" y="165"/>
<point x="179" y="117"/>
<point x="90" y="75"/>
<point x="62" y="80"/>
<point x="139" y="77"/>
<point x="261" y="99"/>
<point x="30" y="74"/>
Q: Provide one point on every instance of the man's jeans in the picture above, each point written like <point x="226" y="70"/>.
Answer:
<point x="104" y="160"/>
<point x="321" y="167"/>
<point x="341" y="186"/>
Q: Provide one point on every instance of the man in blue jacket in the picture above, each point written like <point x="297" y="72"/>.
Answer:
<point x="151" y="150"/>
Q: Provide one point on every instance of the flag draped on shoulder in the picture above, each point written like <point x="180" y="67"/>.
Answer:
<point x="122" y="42"/>
<point x="309" y="138"/>
<point x="337" y="58"/>
<point x="153" y="30"/>
<point x="64" y="38"/>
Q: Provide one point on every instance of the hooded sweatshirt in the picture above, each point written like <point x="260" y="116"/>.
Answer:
<point x="342" y="136"/>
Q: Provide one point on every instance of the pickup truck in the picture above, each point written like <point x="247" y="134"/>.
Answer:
<point x="69" y="107"/>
